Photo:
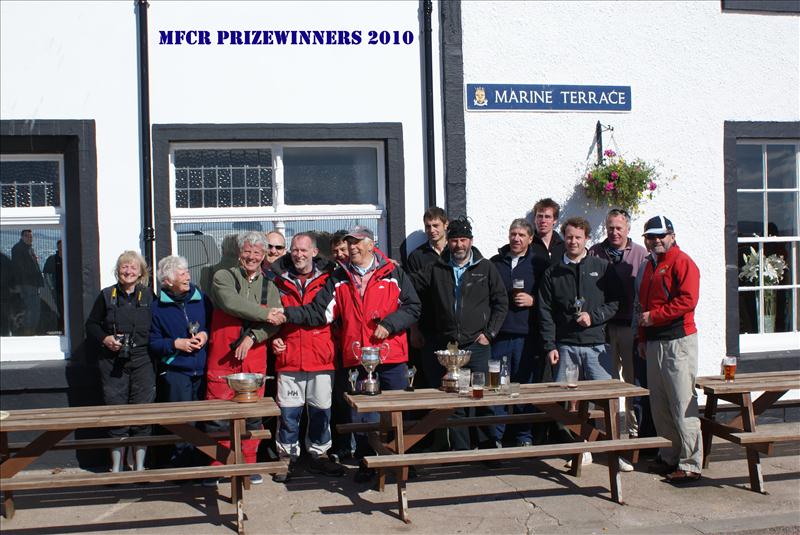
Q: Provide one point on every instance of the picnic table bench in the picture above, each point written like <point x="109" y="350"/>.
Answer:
<point x="55" y="424"/>
<point x="742" y="429"/>
<point x="393" y="436"/>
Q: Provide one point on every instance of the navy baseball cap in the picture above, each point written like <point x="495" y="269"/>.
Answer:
<point x="658" y="225"/>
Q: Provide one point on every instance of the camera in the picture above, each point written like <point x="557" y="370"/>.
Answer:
<point x="127" y="344"/>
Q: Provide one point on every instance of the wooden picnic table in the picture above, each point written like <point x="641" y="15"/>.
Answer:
<point x="742" y="428"/>
<point x="55" y="424"/>
<point x="393" y="438"/>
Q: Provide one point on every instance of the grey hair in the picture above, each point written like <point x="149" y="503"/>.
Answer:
<point x="253" y="238"/>
<point x="306" y="235"/>
<point x="523" y="223"/>
<point x="167" y="267"/>
<point x="614" y="212"/>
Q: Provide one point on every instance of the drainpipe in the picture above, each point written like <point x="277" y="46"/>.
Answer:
<point x="144" y="130"/>
<point x="430" y="159"/>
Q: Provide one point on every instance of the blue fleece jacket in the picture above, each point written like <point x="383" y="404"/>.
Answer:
<point x="519" y="321"/>
<point x="171" y="317"/>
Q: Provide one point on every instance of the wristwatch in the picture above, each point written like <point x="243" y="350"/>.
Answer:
<point x="253" y="337"/>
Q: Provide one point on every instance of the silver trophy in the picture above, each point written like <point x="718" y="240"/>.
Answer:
<point x="577" y="306"/>
<point x="410" y="373"/>
<point x="370" y="357"/>
<point x="194" y="328"/>
<point x="453" y="360"/>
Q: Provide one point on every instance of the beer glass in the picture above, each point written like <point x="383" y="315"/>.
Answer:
<point x="463" y="382"/>
<point x="478" y="382"/>
<point x="729" y="368"/>
<point x="517" y="286"/>
<point x="494" y="374"/>
<point x="571" y="374"/>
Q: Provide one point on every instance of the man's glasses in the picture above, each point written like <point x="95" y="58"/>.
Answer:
<point x="276" y="247"/>
<point x="655" y="236"/>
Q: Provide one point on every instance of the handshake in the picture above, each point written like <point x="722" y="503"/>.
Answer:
<point x="275" y="316"/>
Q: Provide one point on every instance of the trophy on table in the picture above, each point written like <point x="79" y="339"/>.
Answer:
<point x="410" y="373"/>
<point x="352" y="376"/>
<point x="453" y="359"/>
<point x="370" y="357"/>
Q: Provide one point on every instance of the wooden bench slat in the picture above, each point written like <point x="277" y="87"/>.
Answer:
<point x="84" y="479"/>
<point x="152" y="440"/>
<point x="783" y="432"/>
<point x="554" y="450"/>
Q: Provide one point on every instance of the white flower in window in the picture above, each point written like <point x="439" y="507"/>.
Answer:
<point x="774" y="267"/>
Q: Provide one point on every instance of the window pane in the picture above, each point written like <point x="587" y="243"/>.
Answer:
<point x="31" y="282"/>
<point x="782" y="214"/>
<point x="29" y="183"/>
<point x="748" y="320"/>
<point x="777" y="311"/>
<point x="212" y="173"/>
<point x="330" y="175"/>
<point x="748" y="167"/>
<point x="781" y="166"/>
<point x="751" y="214"/>
<point x="777" y="264"/>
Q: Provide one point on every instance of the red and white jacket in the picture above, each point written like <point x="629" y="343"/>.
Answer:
<point x="389" y="300"/>
<point x="308" y="349"/>
<point x="669" y="290"/>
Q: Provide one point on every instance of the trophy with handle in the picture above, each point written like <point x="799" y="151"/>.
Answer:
<point x="370" y="357"/>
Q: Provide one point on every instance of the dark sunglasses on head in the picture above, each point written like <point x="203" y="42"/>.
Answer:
<point x="278" y="247"/>
<point x="655" y="236"/>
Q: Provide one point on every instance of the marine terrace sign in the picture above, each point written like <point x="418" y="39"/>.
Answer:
<point x="527" y="97"/>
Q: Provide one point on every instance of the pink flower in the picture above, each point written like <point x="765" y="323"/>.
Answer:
<point x="609" y="153"/>
<point x="609" y="186"/>
<point x="651" y="186"/>
<point x="589" y="177"/>
<point x="614" y="175"/>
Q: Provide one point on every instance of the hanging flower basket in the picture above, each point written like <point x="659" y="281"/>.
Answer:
<point x="619" y="183"/>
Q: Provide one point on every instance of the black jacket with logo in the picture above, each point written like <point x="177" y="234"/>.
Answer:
<point x="593" y="279"/>
<point x="484" y="299"/>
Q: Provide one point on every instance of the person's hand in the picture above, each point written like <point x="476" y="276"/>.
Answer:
<point x="642" y="350"/>
<point x="111" y="343"/>
<point x="482" y="340"/>
<point x="584" y="319"/>
<point x="416" y="338"/>
<point x="278" y="345"/>
<point x="243" y="348"/>
<point x="644" y="319"/>
<point x="523" y="300"/>
<point x="380" y="333"/>
<point x="183" y="344"/>
<point x="552" y="356"/>
<point x="199" y="340"/>
<point x="275" y="316"/>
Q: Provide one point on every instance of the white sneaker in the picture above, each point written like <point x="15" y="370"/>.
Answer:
<point x="625" y="466"/>
<point x="586" y="459"/>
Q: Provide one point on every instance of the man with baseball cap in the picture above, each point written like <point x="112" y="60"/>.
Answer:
<point x="668" y="295"/>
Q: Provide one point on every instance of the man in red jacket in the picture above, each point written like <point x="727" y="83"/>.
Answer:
<point x="668" y="296"/>
<point x="304" y="360"/>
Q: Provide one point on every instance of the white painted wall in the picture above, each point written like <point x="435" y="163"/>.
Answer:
<point x="78" y="60"/>
<point x="690" y="66"/>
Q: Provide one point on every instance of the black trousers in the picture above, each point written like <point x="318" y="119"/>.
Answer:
<point x="126" y="382"/>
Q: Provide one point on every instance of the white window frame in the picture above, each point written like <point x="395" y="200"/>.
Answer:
<point x="52" y="347"/>
<point x="759" y="342"/>
<point x="279" y="213"/>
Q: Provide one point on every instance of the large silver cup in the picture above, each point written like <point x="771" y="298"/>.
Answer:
<point x="370" y="357"/>
<point x="452" y="360"/>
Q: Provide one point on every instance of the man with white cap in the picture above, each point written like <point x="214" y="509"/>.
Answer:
<point x="668" y="295"/>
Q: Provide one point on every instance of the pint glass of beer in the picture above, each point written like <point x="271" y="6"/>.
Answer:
<point x="478" y="382"/>
<point x="729" y="368"/>
<point x="517" y="286"/>
<point x="494" y="374"/>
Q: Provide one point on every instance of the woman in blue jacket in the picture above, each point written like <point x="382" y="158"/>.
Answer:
<point x="178" y="337"/>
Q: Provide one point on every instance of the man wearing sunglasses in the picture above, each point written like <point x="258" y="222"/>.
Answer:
<point x="668" y="295"/>
<point x="276" y="248"/>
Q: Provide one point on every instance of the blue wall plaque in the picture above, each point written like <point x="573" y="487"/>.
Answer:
<point x="530" y="97"/>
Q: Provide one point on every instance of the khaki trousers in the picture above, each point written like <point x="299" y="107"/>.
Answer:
<point x="671" y="374"/>
<point x="620" y="341"/>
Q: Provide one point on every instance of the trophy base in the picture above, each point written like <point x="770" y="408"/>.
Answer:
<point x="246" y="397"/>
<point x="370" y="389"/>
<point x="449" y="385"/>
<point x="409" y="389"/>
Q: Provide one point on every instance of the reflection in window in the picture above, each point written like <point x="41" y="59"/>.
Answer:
<point x="31" y="281"/>
<point x="28" y="184"/>
<point x="330" y="175"/>
<point x="769" y="239"/>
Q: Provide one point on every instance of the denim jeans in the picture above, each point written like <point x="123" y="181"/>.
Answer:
<point x="310" y="390"/>
<point x="594" y="362"/>
<point x="520" y="352"/>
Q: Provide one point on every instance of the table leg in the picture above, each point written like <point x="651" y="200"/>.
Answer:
<point x="385" y="428"/>
<point x="710" y="415"/>
<point x="610" y="411"/>
<point x="753" y="459"/>
<point x="237" y="457"/>
<point x="402" y="472"/>
<point x="8" y="496"/>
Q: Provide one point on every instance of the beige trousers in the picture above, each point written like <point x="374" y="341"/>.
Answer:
<point x="620" y="341"/>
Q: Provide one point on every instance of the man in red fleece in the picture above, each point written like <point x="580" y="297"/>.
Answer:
<point x="668" y="336"/>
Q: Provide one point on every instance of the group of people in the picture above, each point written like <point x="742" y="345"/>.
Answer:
<point x="544" y="302"/>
